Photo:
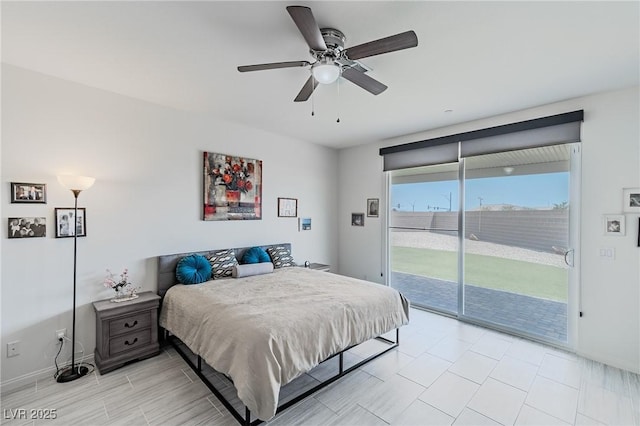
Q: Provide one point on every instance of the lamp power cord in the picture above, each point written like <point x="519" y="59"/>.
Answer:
<point x="79" y="364"/>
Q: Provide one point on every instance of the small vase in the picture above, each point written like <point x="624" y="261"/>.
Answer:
<point x="233" y="197"/>
<point x="122" y="296"/>
<point x="119" y="295"/>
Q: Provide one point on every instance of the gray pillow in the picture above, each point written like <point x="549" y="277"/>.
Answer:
<point x="250" y="269"/>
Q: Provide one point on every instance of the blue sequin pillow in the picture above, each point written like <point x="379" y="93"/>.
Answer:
<point x="255" y="255"/>
<point x="193" y="269"/>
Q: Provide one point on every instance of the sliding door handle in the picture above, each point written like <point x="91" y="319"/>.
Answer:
<point x="566" y="259"/>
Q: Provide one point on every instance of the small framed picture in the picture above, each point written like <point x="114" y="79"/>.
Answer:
<point x="373" y="205"/>
<point x="28" y="193"/>
<point x="27" y="227"/>
<point x="357" y="219"/>
<point x="65" y="220"/>
<point x="287" y="207"/>
<point x="304" y="224"/>
<point x="631" y="199"/>
<point x="613" y="224"/>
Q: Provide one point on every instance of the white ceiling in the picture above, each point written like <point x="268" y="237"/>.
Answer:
<point x="478" y="59"/>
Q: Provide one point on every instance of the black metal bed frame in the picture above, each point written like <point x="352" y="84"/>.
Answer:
<point x="246" y="420"/>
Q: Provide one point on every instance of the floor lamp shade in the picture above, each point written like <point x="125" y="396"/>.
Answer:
<point x="76" y="184"/>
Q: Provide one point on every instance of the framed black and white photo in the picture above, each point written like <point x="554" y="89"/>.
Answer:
<point x="27" y="227"/>
<point x="357" y="219"/>
<point x="287" y="207"/>
<point x="373" y="205"/>
<point x="28" y="193"/>
<point x="614" y="225"/>
<point x="631" y="200"/>
<point x="65" y="219"/>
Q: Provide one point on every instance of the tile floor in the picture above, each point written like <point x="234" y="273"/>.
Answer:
<point x="444" y="372"/>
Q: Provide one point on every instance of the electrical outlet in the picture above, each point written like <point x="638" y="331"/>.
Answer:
<point x="13" y="349"/>
<point x="61" y="333"/>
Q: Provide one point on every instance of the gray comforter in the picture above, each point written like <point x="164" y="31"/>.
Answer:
<point x="264" y="331"/>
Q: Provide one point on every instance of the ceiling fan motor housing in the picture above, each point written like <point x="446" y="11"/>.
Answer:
<point x="334" y="39"/>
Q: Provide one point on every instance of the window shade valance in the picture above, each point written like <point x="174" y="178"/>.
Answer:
<point x="552" y="130"/>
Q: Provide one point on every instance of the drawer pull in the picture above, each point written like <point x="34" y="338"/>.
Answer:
<point x="126" y="342"/>
<point x="126" y="324"/>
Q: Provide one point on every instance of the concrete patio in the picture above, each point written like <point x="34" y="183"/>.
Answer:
<point x="539" y="317"/>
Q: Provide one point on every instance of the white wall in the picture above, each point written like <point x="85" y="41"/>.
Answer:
<point x="147" y="161"/>
<point x="610" y="329"/>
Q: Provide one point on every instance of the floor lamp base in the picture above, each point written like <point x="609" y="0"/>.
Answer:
<point x="71" y="373"/>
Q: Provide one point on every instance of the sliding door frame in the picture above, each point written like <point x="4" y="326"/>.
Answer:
<point x="573" y="297"/>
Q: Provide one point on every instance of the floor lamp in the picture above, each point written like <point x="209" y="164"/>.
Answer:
<point x="76" y="184"/>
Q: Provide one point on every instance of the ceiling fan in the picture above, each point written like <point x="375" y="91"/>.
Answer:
<point x="332" y="60"/>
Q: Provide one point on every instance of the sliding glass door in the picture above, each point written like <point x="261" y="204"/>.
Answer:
<point x="423" y="236"/>
<point x="502" y="256"/>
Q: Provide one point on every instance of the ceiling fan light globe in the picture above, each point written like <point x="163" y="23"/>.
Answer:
<point x="325" y="73"/>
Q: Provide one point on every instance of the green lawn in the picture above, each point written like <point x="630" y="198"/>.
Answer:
<point x="515" y="276"/>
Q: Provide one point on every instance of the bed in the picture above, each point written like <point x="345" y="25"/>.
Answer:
<point x="263" y="331"/>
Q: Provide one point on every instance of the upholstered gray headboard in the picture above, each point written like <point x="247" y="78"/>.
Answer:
<point x="167" y="265"/>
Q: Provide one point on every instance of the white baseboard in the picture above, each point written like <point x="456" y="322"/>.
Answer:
<point x="32" y="378"/>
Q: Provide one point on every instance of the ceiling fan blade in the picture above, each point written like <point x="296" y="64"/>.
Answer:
<point x="272" y="66"/>
<point x="306" y="90"/>
<point x="303" y="17"/>
<point x="361" y="79"/>
<point x="384" y="45"/>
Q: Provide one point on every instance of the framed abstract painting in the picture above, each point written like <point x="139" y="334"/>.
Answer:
<point x="232" y="187"/>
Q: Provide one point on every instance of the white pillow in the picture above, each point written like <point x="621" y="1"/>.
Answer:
<point x="249" y="269"/>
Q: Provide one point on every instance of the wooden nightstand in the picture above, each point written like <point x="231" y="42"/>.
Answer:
<point x="126" y="331"/>
<point x="320" y="267"/>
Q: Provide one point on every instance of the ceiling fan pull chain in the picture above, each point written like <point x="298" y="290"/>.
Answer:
<point x="338" y="85"/>
<point x="313" y="84"/>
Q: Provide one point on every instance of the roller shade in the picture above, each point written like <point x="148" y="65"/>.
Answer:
<point x="545" y="131"/>
<point x="428" y="156"/>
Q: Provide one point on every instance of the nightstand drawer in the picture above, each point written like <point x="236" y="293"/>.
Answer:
<point x="129" y="342"/>
<point x="129" y="323"/>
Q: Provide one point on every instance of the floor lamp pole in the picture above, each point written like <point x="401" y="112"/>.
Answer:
<point x="73" y="372"/>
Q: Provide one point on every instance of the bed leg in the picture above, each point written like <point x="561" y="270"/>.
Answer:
<point x="199" y="363"/>
<point x="341" y="363"/>
<point x="397" y="336"/>
<point x="247" y="416"/>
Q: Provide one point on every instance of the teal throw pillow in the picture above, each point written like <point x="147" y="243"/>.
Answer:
<point x="193" y="269"/>
<point x="255" y="255"/>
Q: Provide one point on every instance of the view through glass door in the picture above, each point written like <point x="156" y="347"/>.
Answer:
<point x="516" y="249"/>
<point x="423" y="236"/>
